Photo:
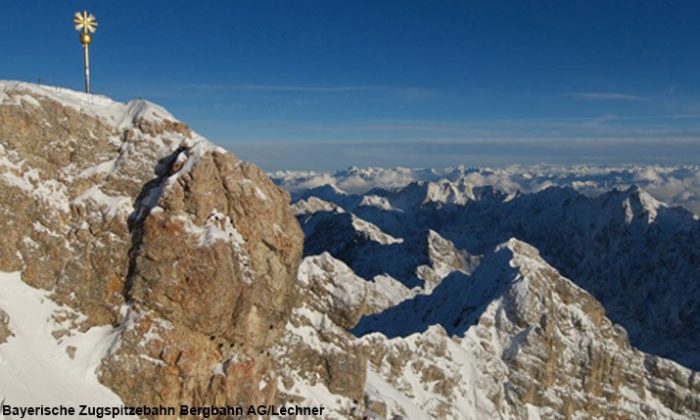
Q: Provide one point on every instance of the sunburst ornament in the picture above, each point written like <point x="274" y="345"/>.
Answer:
<point x="85" y="22"/>
<point x="87" y="25"/>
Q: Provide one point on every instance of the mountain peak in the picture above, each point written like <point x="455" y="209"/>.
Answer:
<point x="133" y="220"/>
<point x="140" y="113"/>
<point x="637" y="204"/>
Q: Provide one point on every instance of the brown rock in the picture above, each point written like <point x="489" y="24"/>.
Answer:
<point x="5" y="331"/>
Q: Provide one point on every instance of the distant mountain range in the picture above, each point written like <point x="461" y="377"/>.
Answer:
<point x="674" y="185"/>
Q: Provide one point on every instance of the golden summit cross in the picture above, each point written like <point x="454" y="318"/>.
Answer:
<point x="86" y="24"/>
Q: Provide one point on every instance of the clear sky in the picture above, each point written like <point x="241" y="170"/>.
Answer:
<point x="327" y="84"/>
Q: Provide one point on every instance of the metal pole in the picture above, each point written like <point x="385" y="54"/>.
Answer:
<point x="86" y="24"/>
<point x="87" y="68"/>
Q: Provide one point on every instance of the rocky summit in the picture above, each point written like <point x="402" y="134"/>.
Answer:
<point x="134" y="221"/>
<point x="143" y="265"/>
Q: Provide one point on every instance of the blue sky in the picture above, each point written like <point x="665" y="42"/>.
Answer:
<point x="326" y="84"/>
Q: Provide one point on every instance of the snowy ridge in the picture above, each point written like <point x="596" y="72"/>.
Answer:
<point x="112" y="112"/>
<point x="373" y="232"/>
<point x="313" y="205"/>
<point x="342" y="287"/>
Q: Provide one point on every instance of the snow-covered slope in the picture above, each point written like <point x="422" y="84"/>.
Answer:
<point x="45" y="361"/>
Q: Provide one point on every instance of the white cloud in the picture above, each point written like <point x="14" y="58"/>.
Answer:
<point x="606" y="96"/>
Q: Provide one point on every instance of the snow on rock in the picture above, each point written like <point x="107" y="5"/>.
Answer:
<point x="115" y="113"/>
<point x="377" y="201"/>
<point x="109" y="206"/>
<point x="373" y="233"/>
<point x="313" y="205"/>
<point x="444" y="259"/>
<point x="447" y="192"/>
<point x="344" y="296"/>
<point x="105" y="167"/>
<point x="317" y="362"/>
<point x="385" y="292"/>
<point x="36" y="367"/>
<point x="218" y="227"/>
<point x="640" y="204"/>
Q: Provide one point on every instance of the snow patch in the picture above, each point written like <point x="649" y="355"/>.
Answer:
<point x="35" y="367"/>
<point x="218" y="227"/>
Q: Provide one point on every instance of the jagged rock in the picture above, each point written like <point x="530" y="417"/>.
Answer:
<point x="216" y="255"/>
<point x="224" y="221"/>
<point x="332" y="288"/>
<point x="316" y="351"/>
<point x="444" y="258"/>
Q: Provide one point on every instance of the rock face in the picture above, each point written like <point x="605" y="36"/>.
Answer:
<point x="134" y="220"/>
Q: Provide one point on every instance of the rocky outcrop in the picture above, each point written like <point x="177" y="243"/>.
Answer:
<point x="316" y="351"/>
<point x="5" y="331"/>
<point x="134" y="220"/>
<point x="216" y="257"/>
<point x="444" y="258"/>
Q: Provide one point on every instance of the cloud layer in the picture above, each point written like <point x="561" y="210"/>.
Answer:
<point x="674" y="185"/>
